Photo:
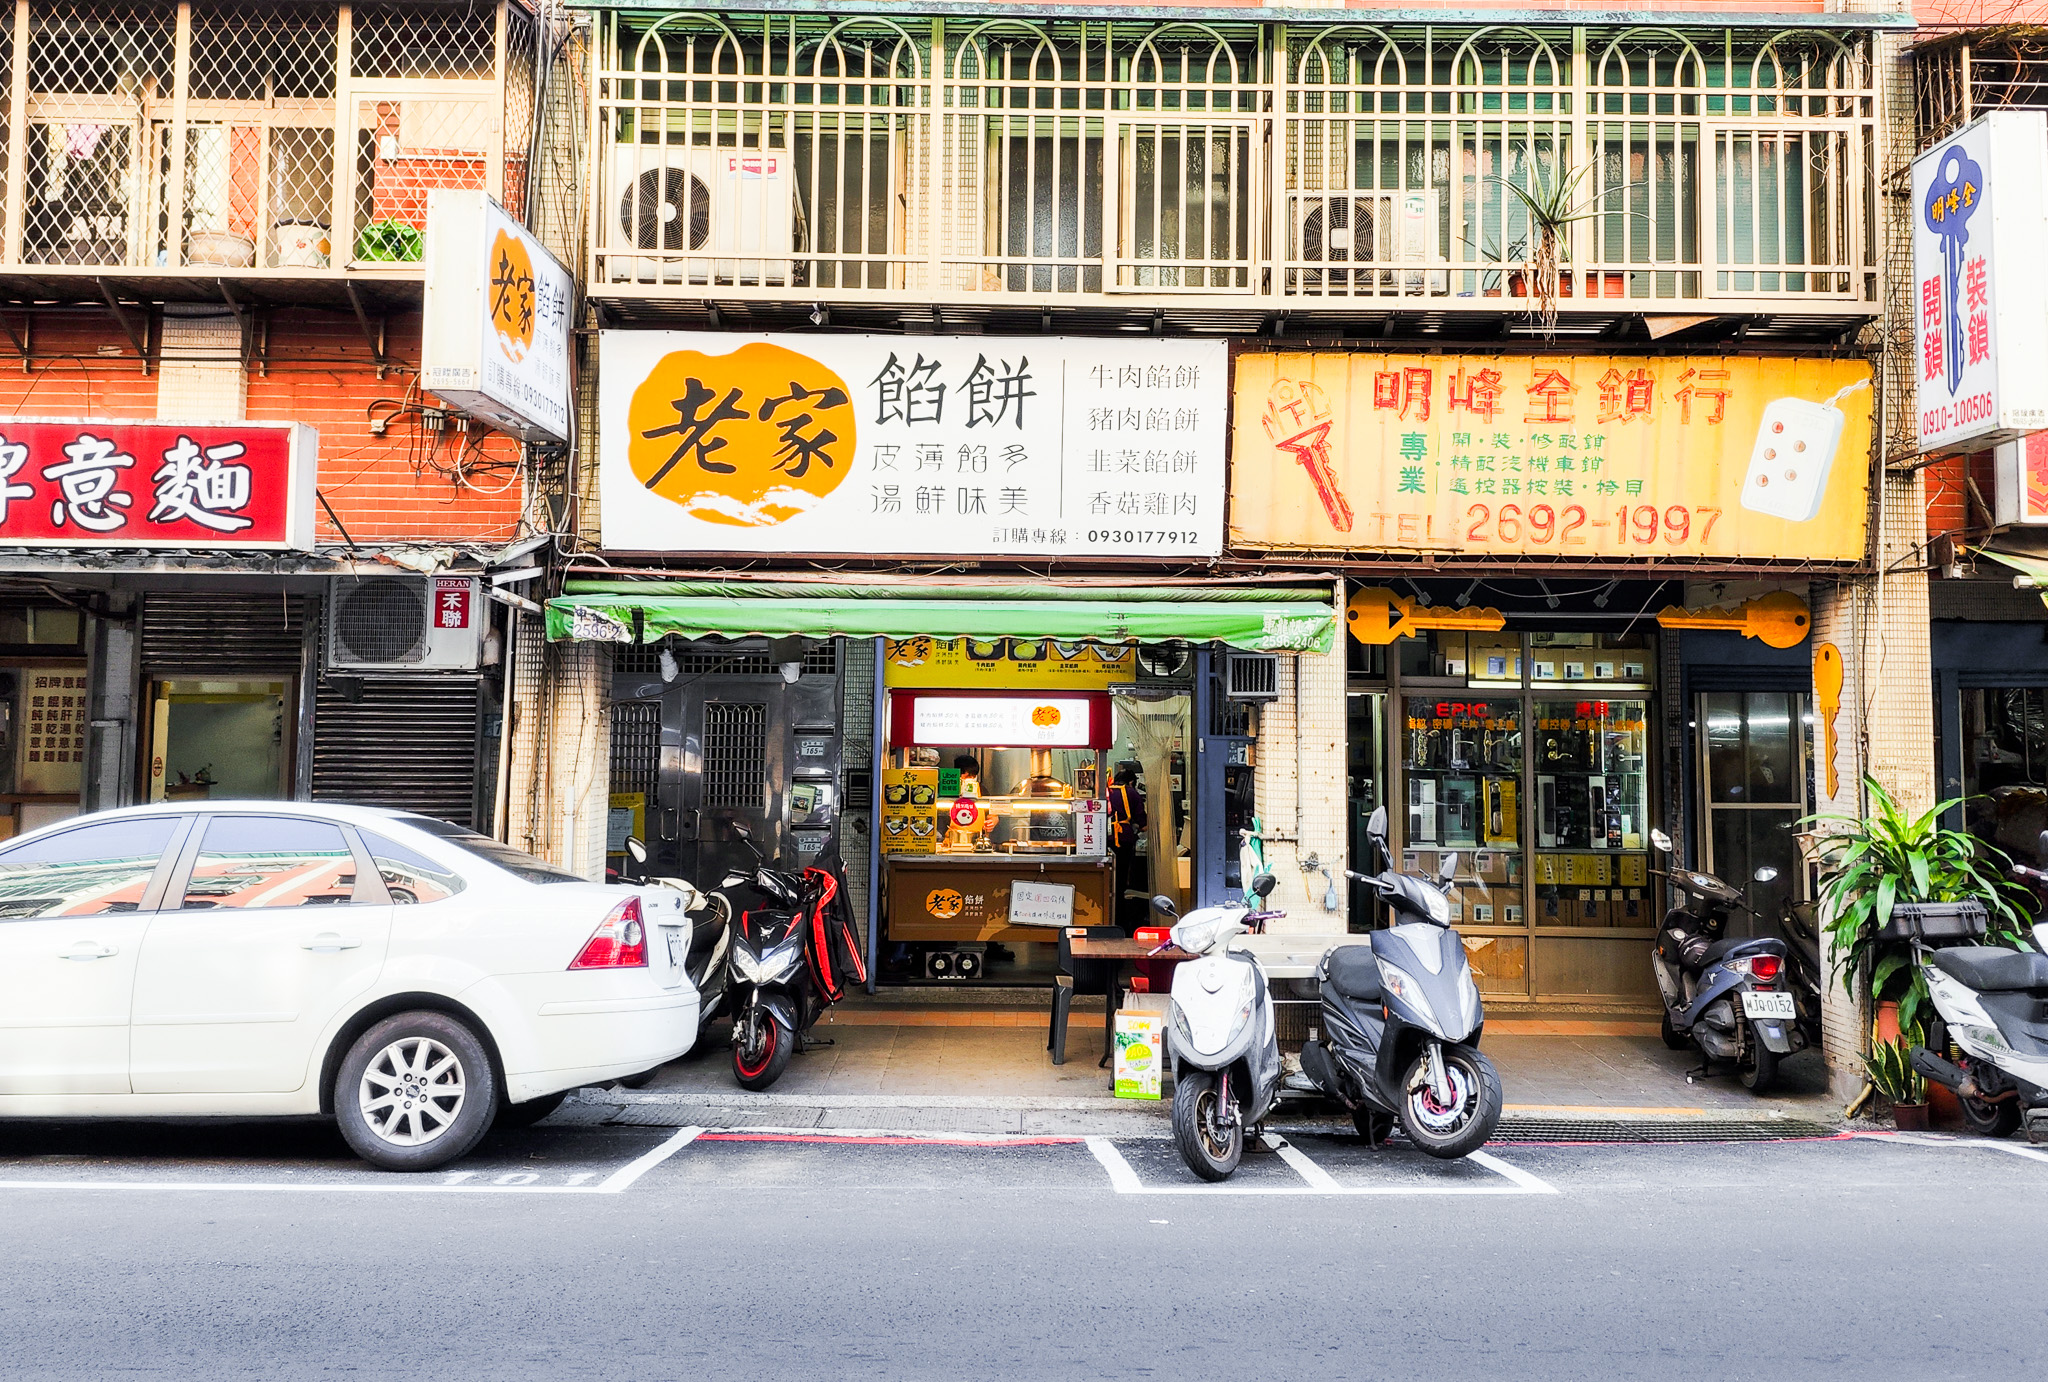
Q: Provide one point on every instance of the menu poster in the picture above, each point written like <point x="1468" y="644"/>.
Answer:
<point x="910" y="810"/>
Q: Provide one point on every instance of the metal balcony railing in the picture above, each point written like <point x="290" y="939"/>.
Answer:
<point x="215" y="139"/>
<point x="964" y="161"/>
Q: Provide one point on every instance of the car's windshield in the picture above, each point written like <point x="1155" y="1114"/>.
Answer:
<point x="514" y="861"/>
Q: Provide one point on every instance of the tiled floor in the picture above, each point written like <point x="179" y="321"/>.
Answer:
<point x="1565" y="1065"/>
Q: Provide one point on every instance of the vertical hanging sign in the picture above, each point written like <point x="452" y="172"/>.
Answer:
<point x="1980" y="283"/>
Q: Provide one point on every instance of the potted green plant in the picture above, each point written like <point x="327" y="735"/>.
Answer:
<point x="1891" y="1071"/>
<point x="1886" y="857"/>
<point x="389" y="242"/>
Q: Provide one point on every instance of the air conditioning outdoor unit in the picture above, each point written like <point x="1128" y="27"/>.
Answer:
<point x="1377" y="228"/>
<point x="1251" y="677"/>
<point x="736" y="204"/>
<point x="405" y="624"/>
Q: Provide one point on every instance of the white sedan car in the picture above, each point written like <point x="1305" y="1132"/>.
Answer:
<point x="412" y="979"/>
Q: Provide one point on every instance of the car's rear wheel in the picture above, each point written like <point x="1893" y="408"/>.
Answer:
<point x="416" y="1091"/>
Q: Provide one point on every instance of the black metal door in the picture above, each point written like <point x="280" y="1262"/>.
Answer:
<point x="738" y="746"/>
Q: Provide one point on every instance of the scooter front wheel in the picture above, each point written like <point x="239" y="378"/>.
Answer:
<point x="1460" y="1125"/>
<point x="1210" y="1137"/>
<point x="761" y="1050"/>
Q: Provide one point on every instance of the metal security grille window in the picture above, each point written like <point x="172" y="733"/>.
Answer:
<point x="203" y="136"/>
<point x="965" y="160"/>
<point x="735" y="754"/>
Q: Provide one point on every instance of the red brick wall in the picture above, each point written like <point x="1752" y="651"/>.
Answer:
<point x="1951" y="506"/>
<point x="394" y="488"/>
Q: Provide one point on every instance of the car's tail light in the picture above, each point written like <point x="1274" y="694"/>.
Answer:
<point x="619" y="942"/>
<point x="1765" y="968"/>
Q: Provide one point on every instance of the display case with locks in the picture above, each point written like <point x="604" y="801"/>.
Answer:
<point x="1462" y="775"/>
<point x="1589" y="775"/>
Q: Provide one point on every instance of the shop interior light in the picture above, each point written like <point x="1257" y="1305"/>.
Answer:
<point x="1465" y="596"/>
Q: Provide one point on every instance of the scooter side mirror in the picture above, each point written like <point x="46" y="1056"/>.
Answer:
<point x="740" y="832"/>
<point x="1448" y="868"/>
<point x="2044" y="846"/>
<point x="636" y="849"/>
<point x="1661" y="840"/>
<point x="1765" y="874"/>
<point x="1166" y="906"/>
<point x="1376" y="824"/>
<point x="1263" y="885"/>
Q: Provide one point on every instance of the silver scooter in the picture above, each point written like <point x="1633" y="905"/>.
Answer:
<point x="1224" y="1048"/>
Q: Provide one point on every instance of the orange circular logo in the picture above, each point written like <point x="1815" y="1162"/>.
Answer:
<point x="511" y="292"/>
<point x="752" y="438"/>
<point x="944" y="903"/>
<point x="1045" y="715"/>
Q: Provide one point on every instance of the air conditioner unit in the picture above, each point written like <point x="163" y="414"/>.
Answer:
<point x="732" y="211"/>
<point x="1251" y="677"/>
<point x="1376" y="228"/>
<point x="405" y="624"/>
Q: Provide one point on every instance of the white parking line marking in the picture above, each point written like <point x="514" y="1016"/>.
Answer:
<point x="511" y="1183"/>
<point x="1123" y="1178"/>
<point x="1308" y="1170"/>
<point x="1937" y="1140"/>
<point x="1535" y="1185"/>
<point x="639" y="1166"/>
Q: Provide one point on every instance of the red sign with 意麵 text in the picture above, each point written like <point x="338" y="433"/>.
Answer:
<point x="103" y="483"/>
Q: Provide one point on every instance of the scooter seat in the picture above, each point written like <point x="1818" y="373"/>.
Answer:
<point x="1989" y="969"/>
<point x="1353" y="973"/>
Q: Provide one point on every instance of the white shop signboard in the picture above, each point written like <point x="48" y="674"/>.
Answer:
<point x="1980" y="283"/>
<point x="975" y="445"/>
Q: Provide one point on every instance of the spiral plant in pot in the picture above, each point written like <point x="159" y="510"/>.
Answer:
<point x="1878" y="860"/>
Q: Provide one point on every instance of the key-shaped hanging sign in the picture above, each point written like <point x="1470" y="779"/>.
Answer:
<point x="1779" y="619"/>
<point x="1951" y="201"/>
<point x="1827" y="696"/>
<point x="1377" y="616"/>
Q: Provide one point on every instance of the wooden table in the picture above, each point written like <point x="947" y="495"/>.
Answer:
<point x="1119" y="953"/>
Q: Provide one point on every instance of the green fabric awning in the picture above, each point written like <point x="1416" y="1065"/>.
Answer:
<point x="1276" y="619"/>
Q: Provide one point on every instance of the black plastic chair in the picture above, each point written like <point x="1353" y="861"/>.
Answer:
<point x="1092" y="977"/>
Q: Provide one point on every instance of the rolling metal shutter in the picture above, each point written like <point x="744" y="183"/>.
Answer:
<point x="216" y="634"/>
<point x="409" y="743"/>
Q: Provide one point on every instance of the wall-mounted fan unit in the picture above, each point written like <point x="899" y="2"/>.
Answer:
<point x="1165" y="662"/>
<point x="709" y="216"/>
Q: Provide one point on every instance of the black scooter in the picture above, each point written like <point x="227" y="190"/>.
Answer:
<point x="774" y="1000"/>
<point x="1401" y="1020"/>
<point x="1730" y="997"/>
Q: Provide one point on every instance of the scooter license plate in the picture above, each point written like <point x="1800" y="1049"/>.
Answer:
<point x="1769" y="1005"/>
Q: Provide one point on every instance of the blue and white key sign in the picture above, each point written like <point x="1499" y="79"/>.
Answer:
<point x="1980" y="283"/>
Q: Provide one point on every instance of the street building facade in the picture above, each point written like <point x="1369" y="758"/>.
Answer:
<point x="243" y="553"/>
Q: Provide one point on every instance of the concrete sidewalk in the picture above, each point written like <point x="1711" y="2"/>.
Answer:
<point x="985" y="1069"/>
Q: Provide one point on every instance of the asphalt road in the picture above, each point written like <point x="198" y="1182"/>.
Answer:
<point x="572" y="1252"/>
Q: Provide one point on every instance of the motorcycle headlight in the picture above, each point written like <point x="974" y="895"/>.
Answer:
<point x="780" y="962"/>
<point x="1404" y="988"/>
<point x="746" y="964"/>
<point x="1182" y="1033"/>
<point x="1468" y="999"/>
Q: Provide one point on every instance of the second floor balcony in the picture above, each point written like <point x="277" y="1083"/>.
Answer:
<point x="1228" y="174"/>
<point x="161" y="150"/>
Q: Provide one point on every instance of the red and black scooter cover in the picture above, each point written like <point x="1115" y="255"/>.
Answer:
<point x="832" y="941"/>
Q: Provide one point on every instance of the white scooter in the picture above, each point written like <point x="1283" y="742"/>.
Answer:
<point x="1993" y="1004"/>
<point x="1225" y="1051"/>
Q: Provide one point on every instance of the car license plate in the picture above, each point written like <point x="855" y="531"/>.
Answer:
<point x="1768" y="1005"/>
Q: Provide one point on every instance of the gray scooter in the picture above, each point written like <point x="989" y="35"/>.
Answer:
<point x="1401" y="1021"/>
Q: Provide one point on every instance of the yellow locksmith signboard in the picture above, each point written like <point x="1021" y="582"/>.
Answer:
<point x="1552" y="455"/>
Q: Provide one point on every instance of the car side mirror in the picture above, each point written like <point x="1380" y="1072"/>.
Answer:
<point x="636" y="849"/>
<point x="1263" y="885"/>
<point x="1166" y="906"/>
